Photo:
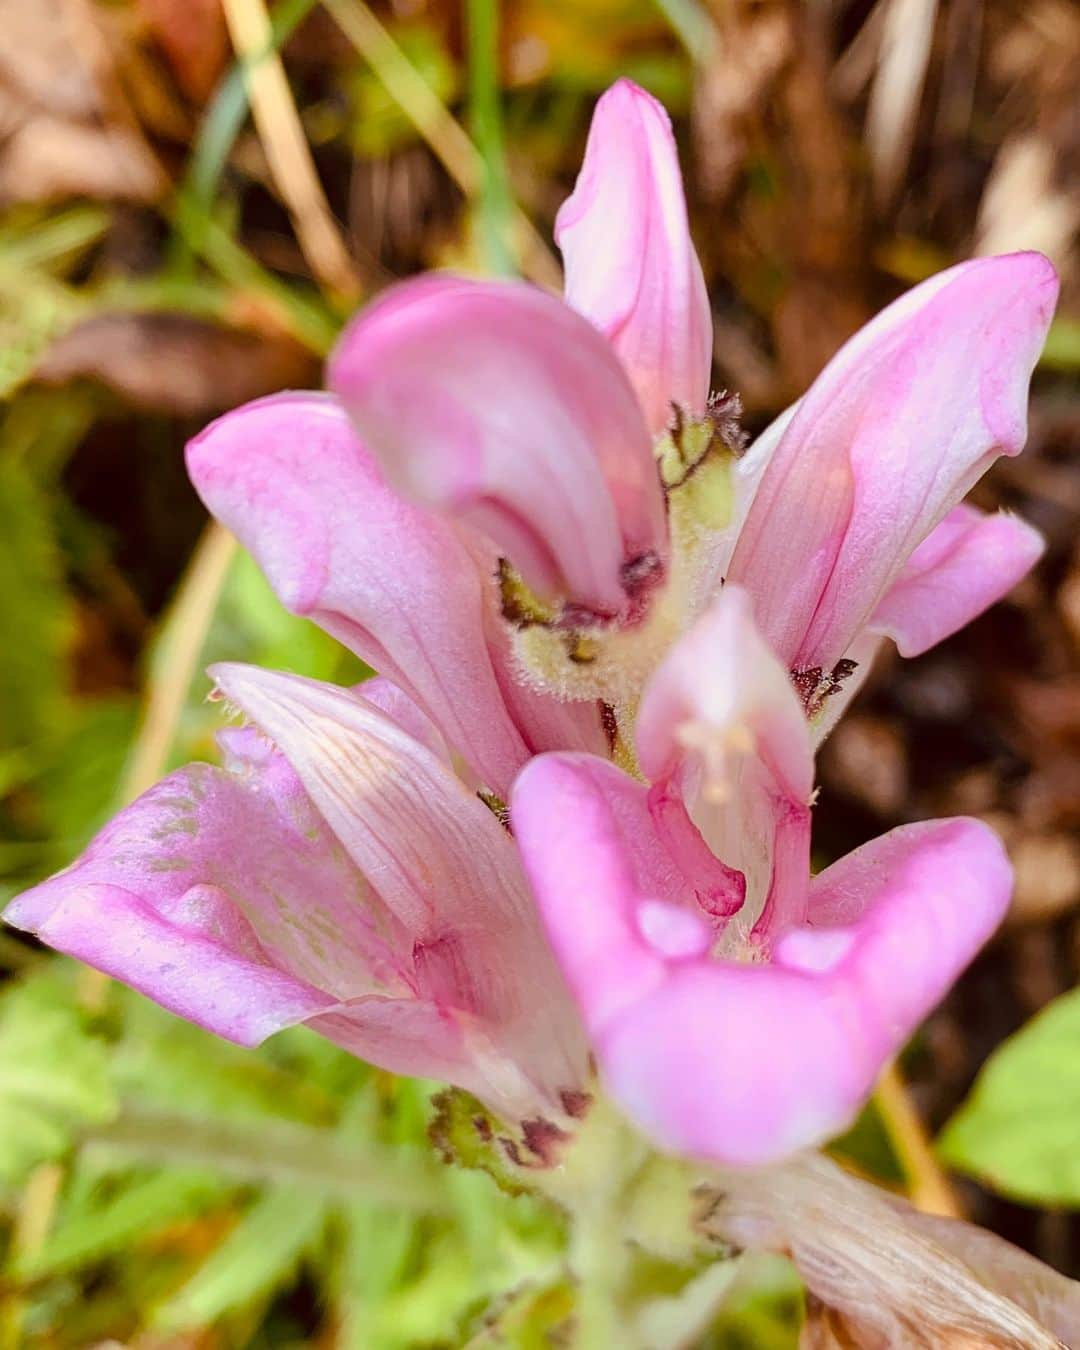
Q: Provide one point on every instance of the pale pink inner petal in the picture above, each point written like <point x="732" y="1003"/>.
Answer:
<point x="720" y="718"/>
<point x="744" y="1064"/>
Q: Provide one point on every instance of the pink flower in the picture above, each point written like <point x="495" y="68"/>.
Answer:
<point x="743" y="1038"/>
<point x="530" y="517"/>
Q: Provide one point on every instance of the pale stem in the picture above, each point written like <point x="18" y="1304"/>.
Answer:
<point x="437" y="126"/>
<point x="927" y="1185"/>
<point x="272" y="1152"/>
<point x="287" y="150"/>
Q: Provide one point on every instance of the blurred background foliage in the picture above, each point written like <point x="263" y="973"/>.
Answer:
<point x="196" y="194"/>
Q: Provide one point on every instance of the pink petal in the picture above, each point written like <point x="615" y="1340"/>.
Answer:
<point x="439" y="859"/>
<point x="220" y="895"/>
<point x="392" y="700"/>
<point x="543" y="721"/>
<point x="418" y="1038"/>
<point x="220" y="979"/>
<point x="900" y="424"/>
<point x="744" y="1064"/>
<point x="720" y="718"/>
<point x="497" y="403"/>
<point x="630" y="263"/>
<point x="391" y="581"/>
<point x="571" y="816"/>
<point x="960" y="569"/>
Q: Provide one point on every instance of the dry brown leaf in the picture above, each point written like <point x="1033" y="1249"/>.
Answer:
<point x="175" y="364"/>
<point x="894" y="1279"/>
<point x="194" y="39"/>
<point x="865" y="758"/>
<point x="40" y="40"/>
<point x="69" y="128"/>
<point x="827" y="1329"/>
<point x="1024" y="207"/>
<point x="47" y="159"/>
<point x="1047" y="871"/>
<point x="750" y="50"/>
<point x="906" y="40"/>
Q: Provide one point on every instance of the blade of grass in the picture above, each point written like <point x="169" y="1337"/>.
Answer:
<point x="53" y="240"/>
<point x="287" y="150"/>
<point x="225" y="117"/>
<point x="692" y="25"/>
<point x="307" y="321"/>
<point x="33" y="1219"/>
<point x="437" y="126"/>
<point x="177" y="657"/>
<point x="496" y="206"/>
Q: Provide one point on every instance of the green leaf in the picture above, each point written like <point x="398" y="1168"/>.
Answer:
<point x="81" y="770"/>
<point x="1062" y="350"/>
<point x="258" y="1256"/>
<point x="375" y="121"/>
<point x="162" y="1060"/>
<point x="53" y="1075"/>
<point x="105" y="1216"/>
<point x="1019" y="1130"/>
<point x="34" y="606"/>
<point x="251" y="624"/>
<point x="277" y="1152"/>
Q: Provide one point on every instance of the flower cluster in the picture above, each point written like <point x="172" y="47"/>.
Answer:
<point x="569" y="823"/>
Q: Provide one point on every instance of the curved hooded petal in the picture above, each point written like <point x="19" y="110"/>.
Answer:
<point x="892" y="434"/>
<point x="630" y="263"/>
<point x="959" y="570"/>
<point x="495" y="402"/>
<point x="440" y="860"/>
<point x="744" y="1064"/>
<point x="222" y="896"/>
<point x="721" y="719"/>
<point x="391" y="581"/>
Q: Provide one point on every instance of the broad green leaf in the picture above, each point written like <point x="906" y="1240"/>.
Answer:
<point x="53" y="1075"/>
<point x="1019" y="1130"/>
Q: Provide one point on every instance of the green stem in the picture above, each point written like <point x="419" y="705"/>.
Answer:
<point x="485" y="116"/>
<point x="598" y="1258"/>
<point x="279" y="1152"/>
